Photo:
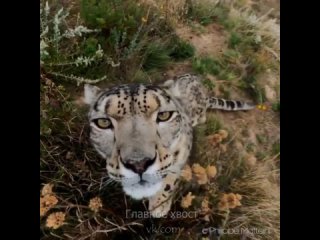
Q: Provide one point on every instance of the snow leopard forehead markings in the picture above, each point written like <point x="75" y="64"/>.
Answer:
<point x="129" y="99"/>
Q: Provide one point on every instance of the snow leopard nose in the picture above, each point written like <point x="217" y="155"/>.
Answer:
<point x="139" y="166"/>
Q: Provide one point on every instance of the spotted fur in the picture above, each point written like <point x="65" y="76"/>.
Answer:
<point x="144" y="154"/>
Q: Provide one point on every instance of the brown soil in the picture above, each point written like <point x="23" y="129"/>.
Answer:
<point x="211" y="42"/>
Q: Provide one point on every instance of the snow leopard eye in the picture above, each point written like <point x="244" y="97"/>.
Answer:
<point x="103" y="123"/>
<point x="164" y="116"/>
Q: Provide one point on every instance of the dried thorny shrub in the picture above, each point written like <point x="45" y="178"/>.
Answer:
<point x="187" y="200"/>
<point x="229" y="200"/>
<point x="200" y="173"/>
<point x="95" y="204"/>
<point x="46" y="203"/>
<point x="55" y="220"/>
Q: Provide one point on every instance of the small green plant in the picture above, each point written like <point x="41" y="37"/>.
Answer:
<point x="261" y="138"/>
<point x="123" y="15"/>
<point x="181" y="49"/>
<point x="231" y="55"/>
<point x="124" y="46"/>
<point x="276" y="147"/>
<point x="244" y="41"/>
<point x="276" y="106"/>
<point x="141" y="76"/>
<point x="206" y="65"/>
<point x="253" y="88"/>
<point x="197" y="28"/>
<point x="234" y="40"/>
<point x="201" y="14"/>
<point x="205" y="12"/>
<point x="212" y="125"/>
<point x="156" y="56"/>
<point x="90" y="46"/>
<point x="208" y="83"/>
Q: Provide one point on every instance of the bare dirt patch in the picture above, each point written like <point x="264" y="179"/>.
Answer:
<point x="211" y="42"/>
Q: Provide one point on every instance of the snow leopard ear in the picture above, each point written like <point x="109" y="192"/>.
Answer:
<point x="90" y="93"/>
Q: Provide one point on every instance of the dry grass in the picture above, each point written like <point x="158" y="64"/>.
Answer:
<point x="171" y="10"/>
<point x="261" y="201"/>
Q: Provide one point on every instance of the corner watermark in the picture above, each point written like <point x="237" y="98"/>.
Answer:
<point x="235" y="231"/>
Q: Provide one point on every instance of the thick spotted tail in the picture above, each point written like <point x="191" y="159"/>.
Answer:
<point x="228" y="105"/>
